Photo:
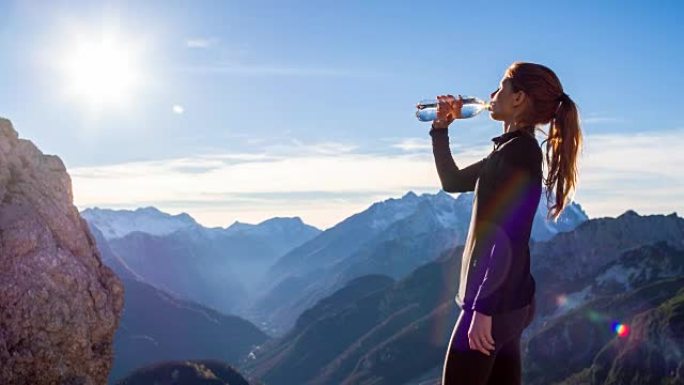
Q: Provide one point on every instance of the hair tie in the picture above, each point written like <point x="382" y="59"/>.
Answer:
<point x="563" y="99"/>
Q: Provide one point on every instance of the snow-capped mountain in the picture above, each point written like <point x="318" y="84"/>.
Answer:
<point x="383" y="281"/>
<point x="544" y="229"/>
<point x="281" y="234"/>
<point x="437" y="211"/>
<point x="391" y="237"/>
<point x="216" y="267"/>
<point x="119" y="223"/>
<point x="287" y="264"/>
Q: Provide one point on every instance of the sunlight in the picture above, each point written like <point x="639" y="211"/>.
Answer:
<point x="101" y="71"/>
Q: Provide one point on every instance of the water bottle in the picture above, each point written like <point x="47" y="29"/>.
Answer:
<point x="427" y="109"/>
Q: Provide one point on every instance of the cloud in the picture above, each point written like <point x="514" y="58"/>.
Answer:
<point x="326" y="147"/>
<point x="201" y="42"/>
<point x="275" y="70"/>
<point x="283" y="180"/>
<point x="326" y="182"/>
<point x="638" y="171"/>
<point x="601" y="119"/>
<point x="413" y="144"/>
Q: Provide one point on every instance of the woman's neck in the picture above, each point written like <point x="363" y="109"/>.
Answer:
<point x="512" y="126"/>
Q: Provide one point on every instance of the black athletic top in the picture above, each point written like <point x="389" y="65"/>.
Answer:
<point x="507" y="185"/>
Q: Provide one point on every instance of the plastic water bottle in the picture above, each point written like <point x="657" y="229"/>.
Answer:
<point x="427" y="109"/>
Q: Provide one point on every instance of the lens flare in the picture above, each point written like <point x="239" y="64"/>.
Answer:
<point x="622" y="330"/>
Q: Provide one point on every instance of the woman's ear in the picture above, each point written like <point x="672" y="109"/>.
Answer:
<point x="519" y="98"/>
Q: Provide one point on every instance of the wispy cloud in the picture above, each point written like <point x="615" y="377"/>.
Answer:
<point x="280" y="70"/>
<point x="201" y="42"/>
<point x="413" y="144"/>
<point x="597" y="119"/>
<point x="326" y="182"/>
<point x="640" y="171"/>
<point x="326" y="147"/>
<point x="321" y="182"/>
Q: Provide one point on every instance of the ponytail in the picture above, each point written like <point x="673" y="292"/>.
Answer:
<point x="563" y="144"/>
<point x="550" y="105"/>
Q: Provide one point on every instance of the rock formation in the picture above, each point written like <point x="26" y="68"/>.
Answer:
<point x="187" y="372"/>
<point x="59" y="304"/>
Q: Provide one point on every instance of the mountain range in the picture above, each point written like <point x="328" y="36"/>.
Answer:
<point x="392" y="237"/>
<point x="271" y="272"/>
<point x="356" y="318"/>
<point x="157" y="326"/>
<point x="396" y="332"/>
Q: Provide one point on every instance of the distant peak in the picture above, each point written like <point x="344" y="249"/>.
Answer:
<point x="629" y="213"/>
<point x="283" y="220"/>
<point x="465" y="196"/>
<point x="410" y="195"/>
<point x="148" y="209"/>
<point x="443" y="195"/>
<point x="239" y="225"/>
<point x="580" y="209"/>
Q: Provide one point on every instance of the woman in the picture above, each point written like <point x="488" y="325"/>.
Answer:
<point x="496" y="289"/>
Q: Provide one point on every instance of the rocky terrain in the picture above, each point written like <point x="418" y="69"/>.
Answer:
<point x="59" y="304"/>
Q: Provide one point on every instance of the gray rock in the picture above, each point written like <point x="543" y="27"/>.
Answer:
<point x="59" y="304"/>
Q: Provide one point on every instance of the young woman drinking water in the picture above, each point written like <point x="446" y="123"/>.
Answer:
<point x="496" y="289"/>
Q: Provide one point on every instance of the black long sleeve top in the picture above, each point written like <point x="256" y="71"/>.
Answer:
<point x="495" y="265"/>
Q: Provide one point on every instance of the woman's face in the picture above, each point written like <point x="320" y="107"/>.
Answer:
<point x="506" y="104"/>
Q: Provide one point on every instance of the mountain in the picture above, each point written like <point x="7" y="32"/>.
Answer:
<point x="573" y="259"/>
<point x="351" y="311"/>
<point x="392" y="237"/>
<point x="280" y="233"/>
<point x="59" y="304"/>
<point x="583" y="344"/>
<point x="155" y="326"/>
<point x="118" y="223"/>
<point x="110" y="259"/>
<point x="189" y="266"/>
<point x="382" y="321"/>
<point x="651" y="354"/>
<point x="216" y="267"/>
<point x="398" y="332"/>
<point x="343" y="239"/>
<point x="194" y="372"/>
<point x="633" y="268"/>
<point x="543" y="229"/>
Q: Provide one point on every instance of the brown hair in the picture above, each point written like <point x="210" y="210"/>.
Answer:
<point x="549" y="104"/>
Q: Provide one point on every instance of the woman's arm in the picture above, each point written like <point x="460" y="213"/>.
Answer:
<point x="453" y="179"/>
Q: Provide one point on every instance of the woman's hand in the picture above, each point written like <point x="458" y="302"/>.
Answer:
<point x="480" y="333"/>
<point x="448" y="109"/>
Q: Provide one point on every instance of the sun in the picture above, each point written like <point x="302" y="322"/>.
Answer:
<point x="102" y="71"/>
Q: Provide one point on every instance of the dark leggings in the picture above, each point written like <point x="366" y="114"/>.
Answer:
<point x="464" y="366"/>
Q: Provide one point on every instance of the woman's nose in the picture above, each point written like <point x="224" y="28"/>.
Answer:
<point x="491" y="96"/>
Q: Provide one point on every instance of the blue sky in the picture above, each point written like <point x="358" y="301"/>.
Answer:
<point x="249" y="110"/>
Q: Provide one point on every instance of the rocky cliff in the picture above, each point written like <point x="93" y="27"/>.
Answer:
<point x="59" y="304"/>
